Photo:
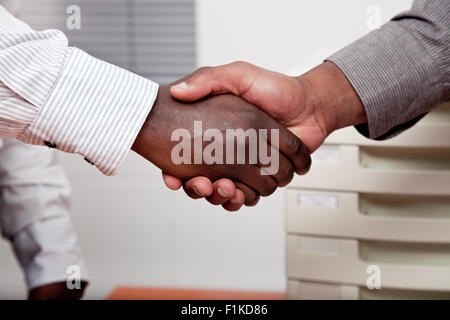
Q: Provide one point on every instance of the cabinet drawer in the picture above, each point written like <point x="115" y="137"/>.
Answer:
<point x="306" y="290"/>
<point x="403" y="265"/>
<point x="417" y="171"/>
<point x="369" y="216"/>
<point x="432" y="131"/>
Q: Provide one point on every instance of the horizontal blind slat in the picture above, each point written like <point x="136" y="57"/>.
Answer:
<point x="154" y="38"/>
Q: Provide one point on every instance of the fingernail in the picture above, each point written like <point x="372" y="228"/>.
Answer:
<point x="181" y="86"/>
<point x="223" y="192"/>
<point x="197" y="192"/>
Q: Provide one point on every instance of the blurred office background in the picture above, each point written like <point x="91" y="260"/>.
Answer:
<point x="132" y="230"/>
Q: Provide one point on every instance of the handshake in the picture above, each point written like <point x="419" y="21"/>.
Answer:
<point x="236" y="132"/>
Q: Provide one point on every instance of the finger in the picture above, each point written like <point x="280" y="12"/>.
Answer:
<point x="171" y="182"/>
<point x="294" y="149"/>
<point x="236" y="202"/>
<point x="290" y="146"/>
<point x="230" y="78"/>
<point x="223" y="190"/>
<point x="198" y="187"/>
<point x="283" y="173"/>
<point x="264" y="185"/>
<point x="251" y="197"/>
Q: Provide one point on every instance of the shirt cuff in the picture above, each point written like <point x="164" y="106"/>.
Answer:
<point x="47" y="251"/>
<point x="95" y="109"/>
<point x="395" y="77"/>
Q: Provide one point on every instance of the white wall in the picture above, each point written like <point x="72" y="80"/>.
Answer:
<point x="283" y="34"/>
<point x="134" y="231"/>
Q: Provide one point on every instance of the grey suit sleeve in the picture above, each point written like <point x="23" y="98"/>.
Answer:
<point x="402" y="70"/>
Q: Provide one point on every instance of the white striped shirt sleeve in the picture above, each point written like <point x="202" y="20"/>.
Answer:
<point x="55" y="95"/>
<point x="35" y="213"/>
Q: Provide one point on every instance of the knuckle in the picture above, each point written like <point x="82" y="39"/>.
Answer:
<point x="230" y="208"/>
<point x="287" y="173"/>
<point x="252" y="200"/>
<point x="216" y="201"/>
<point x="189" y="192"/>
<point x="306" y="165"/>
<point x="268" y="188"/>
<point x="296" y="146"/>
<point x="203" y="70"/>
<point x="240" y="63"/>
<point x="251" y="197"/>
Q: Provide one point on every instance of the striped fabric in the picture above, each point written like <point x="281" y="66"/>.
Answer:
<point x="402" y="70"/>
<point x="60" y="96"/>
<point x="46" y="249"/>
<point x="35" y="213"/>
<point x="34" y="193"/>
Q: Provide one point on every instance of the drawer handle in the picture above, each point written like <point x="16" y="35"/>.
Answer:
<point x="430" y="254"/>
<point x="407" y="206"/>
<point x="436" y="159"/>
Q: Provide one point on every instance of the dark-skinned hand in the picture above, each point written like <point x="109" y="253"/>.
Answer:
<point x="56" y="291"/>
<point x="218" y="112"/>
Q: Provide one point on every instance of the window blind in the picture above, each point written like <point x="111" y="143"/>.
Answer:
<point x="153" y="38"/>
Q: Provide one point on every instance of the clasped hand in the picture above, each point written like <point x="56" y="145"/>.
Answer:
<point x="304" y="110"/>
<point x="175" y="132"/>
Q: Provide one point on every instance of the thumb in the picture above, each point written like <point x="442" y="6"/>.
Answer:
<point x="211" y="80"/>
<point x="191" y="89"/>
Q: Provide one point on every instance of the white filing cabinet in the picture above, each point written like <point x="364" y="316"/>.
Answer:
<point x="366" y="203"/>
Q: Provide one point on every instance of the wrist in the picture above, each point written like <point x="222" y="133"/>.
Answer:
<point x="145" y="138"/>
<point x="333" y="99"/>
<point x="153" y="139"/>
<point x="139" y="140"/>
